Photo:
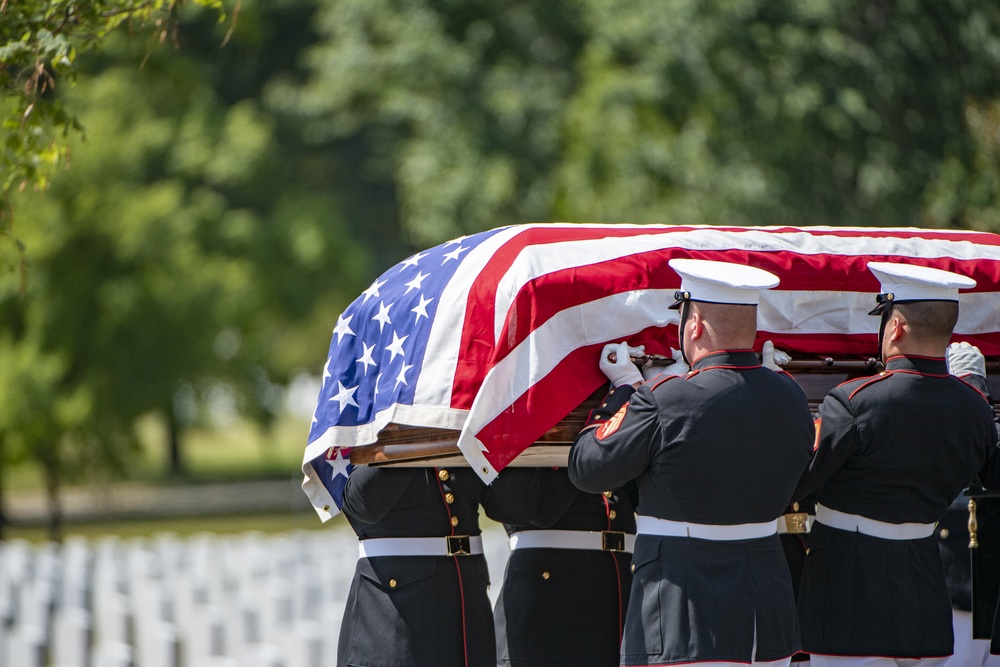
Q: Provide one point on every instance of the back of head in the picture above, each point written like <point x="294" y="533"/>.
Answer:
<point x="930" y="323"/>
<point x="729" y="326"/>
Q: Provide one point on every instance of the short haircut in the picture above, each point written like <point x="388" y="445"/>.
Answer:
<point x="930" y="321"/>
<point x="730" y="325"/>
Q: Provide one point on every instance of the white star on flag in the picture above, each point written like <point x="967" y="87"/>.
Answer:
<point x="342" y="329"/>
<point x="382" y="317"/>
<point x="412" y="261"/>
<point x="344" y="395"/>
<point x="454" y="241"/>
<point x="326" y="368"/>
<point x="396" y="346"/>
<point x="339" y="465"/>
<point x="366" y="357"/>
<point x="401" y="378"/>
<point x="421" y="308"/>
<point x="415" y="283"/>
<point x="373" y="289"/>
<point x="454" y="254"/>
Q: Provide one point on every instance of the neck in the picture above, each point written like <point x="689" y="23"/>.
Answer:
<point x="914" y="350"/>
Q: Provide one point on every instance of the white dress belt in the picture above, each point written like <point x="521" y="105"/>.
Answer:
<point x="860" y="524"/>
<point x="649" y="525"/>
<point x="453" y="545"/>
<point x="601" y="540"/>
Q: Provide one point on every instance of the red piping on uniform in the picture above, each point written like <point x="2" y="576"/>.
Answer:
<point x="614" y="558"/>
<point x="875" y="379"/>
<point x="458" y="571"/>
<point x="669" y="377"/>
<point x="913" y="356"/>
<point x="729" y="368"/>
<point x="972" y="386"/>
<point x="618" y="579"/>
<point x="927" y="375"/>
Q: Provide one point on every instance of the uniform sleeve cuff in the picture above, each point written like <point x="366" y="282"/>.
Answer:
<point x="611" y="404"/>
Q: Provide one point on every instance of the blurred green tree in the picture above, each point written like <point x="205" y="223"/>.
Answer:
<point x="193" y="257"/>
<point x="821" y="112"/>
<point x="39" y="45"/>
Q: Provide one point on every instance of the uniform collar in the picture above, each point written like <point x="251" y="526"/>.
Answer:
<point x="740" y="358"/>
<point x="924" y="365"/>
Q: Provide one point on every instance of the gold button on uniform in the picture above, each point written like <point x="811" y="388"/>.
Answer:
<point x="449" y="498"/>
<point x="612" y="514"/>
<point x="454" y="521"/>
<point x="442" y="475"/>
<point x="392" y="583"/>
<point x="633" y="567"/>
<point x="546" y="575"/>
<point x="608" y="494"/>
<point x="944" y="533"/>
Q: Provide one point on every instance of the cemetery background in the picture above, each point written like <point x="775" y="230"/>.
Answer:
<point x="232" y="597"/>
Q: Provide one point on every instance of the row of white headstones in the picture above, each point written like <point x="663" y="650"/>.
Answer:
<point x="247" y="600"/>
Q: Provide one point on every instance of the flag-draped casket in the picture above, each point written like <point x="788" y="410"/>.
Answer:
<point x="491" y="341"/>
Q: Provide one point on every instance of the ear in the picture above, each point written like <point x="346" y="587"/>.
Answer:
<point x="896" y="329"/>
<point x="697" y="325"/>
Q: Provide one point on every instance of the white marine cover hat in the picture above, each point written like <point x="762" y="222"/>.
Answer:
<point x="908" y="282"/>
<point x="720" y="282"/>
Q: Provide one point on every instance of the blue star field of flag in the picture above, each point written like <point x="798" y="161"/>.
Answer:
<point x="377" y="350"/>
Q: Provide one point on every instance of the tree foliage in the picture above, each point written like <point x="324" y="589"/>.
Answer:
<point x="820" y="112"/>
<point x="39" y="47"/>
<point x="188" y="264"/>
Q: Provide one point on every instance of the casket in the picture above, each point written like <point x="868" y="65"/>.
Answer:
<point x="484" y="351"/>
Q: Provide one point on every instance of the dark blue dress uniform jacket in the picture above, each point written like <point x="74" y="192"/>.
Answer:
<point x="724" y="445"/>
<point x="990" y="478"/>
<point x="898" y="448"/>
<point x="417" y="611"/>
<point x="566" y="606"/>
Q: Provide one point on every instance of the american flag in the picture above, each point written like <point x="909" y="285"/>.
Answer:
<point x="497" y="334"/>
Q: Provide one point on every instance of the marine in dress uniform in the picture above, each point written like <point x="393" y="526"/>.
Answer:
<point x="716" y="453"/>
<point x="893" y="451"/>
<point x="565" y="590"/>
<point x="953" y="542"/>
<point x="418" y="597"/>
<point x="968" y="363"/>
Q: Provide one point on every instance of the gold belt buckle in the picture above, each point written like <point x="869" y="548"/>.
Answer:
<point x="459" y="545"/>
<point x="797" y="522"/>
<point x="612" y="540"/>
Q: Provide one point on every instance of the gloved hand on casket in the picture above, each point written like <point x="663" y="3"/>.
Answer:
<point x="650" y="372"/>
<point x="965" y="359"/>
<point x="773" y="358"/>
<point x="622" y="370"/>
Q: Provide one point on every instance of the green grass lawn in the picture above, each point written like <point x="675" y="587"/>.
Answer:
<point x="265" y="523"/>
<point x="238" y="451"/>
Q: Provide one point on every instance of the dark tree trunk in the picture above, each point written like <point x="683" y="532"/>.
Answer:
<point x="176" y="460"/>
<point x="50" y="464"/>
<point x="3" y="504"/>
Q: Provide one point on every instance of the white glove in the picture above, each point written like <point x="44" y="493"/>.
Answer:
<point x="621" y="370"/>
<point x="676" y="368"/>
<point x="773" y="358"/>
<point x="965" y="359"/>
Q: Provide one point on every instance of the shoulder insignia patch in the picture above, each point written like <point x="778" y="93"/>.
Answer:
<point x="608" y="428"/>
